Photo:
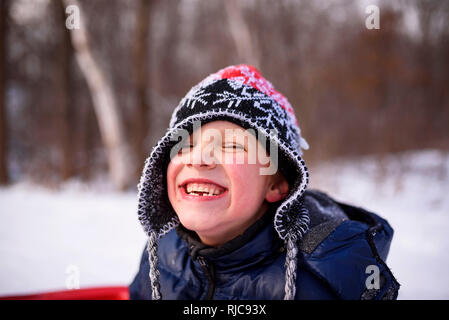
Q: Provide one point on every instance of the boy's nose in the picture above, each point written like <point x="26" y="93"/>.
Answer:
<point x="202" y="156"/>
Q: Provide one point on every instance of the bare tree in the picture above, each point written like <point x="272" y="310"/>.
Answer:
<point x="4" y="178"/>
<point x="105" y="104"/>
<point x="241" y="34"/>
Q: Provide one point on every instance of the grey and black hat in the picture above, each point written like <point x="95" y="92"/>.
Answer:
<point x="241" y="95"/>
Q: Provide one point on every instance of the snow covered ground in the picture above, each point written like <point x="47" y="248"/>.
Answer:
<point x="51" y="240"/>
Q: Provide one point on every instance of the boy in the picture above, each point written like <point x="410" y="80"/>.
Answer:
<point x="222" y="225"/>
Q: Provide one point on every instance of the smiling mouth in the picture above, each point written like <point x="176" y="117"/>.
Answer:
<point x="203" y="189"/>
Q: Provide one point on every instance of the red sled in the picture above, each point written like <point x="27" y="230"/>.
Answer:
<point x="99" y="293"/>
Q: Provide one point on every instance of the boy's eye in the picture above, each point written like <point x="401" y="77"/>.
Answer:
<point x="186" y="147"/>
<point x="233" y="147"/>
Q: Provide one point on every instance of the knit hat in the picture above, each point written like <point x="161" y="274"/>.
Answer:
<point x="241" y="95"/>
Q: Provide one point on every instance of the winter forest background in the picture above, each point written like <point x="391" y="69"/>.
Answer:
<point x="80" y="111"/>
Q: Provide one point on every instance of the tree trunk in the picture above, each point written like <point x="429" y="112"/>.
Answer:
<point x="4" y="177"/>
<point x="140" y="65"/>
<point x="241" y="34"/>
<point x="65" y="104"/>
<point x="105" y="105"/>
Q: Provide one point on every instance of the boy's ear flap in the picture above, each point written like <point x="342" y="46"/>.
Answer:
<point x="278" y="189"/>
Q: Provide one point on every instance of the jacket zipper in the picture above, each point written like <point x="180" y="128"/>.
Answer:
<point x="209" y="272"/>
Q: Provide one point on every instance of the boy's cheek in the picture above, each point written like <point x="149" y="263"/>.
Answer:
<point x="177" y="160"/>
<point x="245" y="172"/>
<point x="245" y="179"/>
<point x="172" y="172"/>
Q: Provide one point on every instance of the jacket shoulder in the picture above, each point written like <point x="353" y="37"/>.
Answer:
<point x="347" y="246"/>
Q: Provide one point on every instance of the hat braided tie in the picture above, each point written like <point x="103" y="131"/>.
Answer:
<point x="154" y="272"/>
<point x="290" y="268"/>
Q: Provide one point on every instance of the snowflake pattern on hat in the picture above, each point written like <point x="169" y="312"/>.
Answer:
<point x="251" y="76"/>
<point x="243" y="86"/>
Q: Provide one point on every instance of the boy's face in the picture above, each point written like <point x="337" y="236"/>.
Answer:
<point x="216" y="188"/>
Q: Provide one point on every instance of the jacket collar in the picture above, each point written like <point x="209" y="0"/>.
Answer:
<point x="259" y="242"/>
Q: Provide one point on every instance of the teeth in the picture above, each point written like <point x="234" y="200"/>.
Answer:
<point x="205" y="189"/>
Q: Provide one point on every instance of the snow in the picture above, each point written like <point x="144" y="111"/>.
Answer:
<point x="49" y="237"/>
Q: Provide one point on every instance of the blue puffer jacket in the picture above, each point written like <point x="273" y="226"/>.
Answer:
<point x="337" y="255"/>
